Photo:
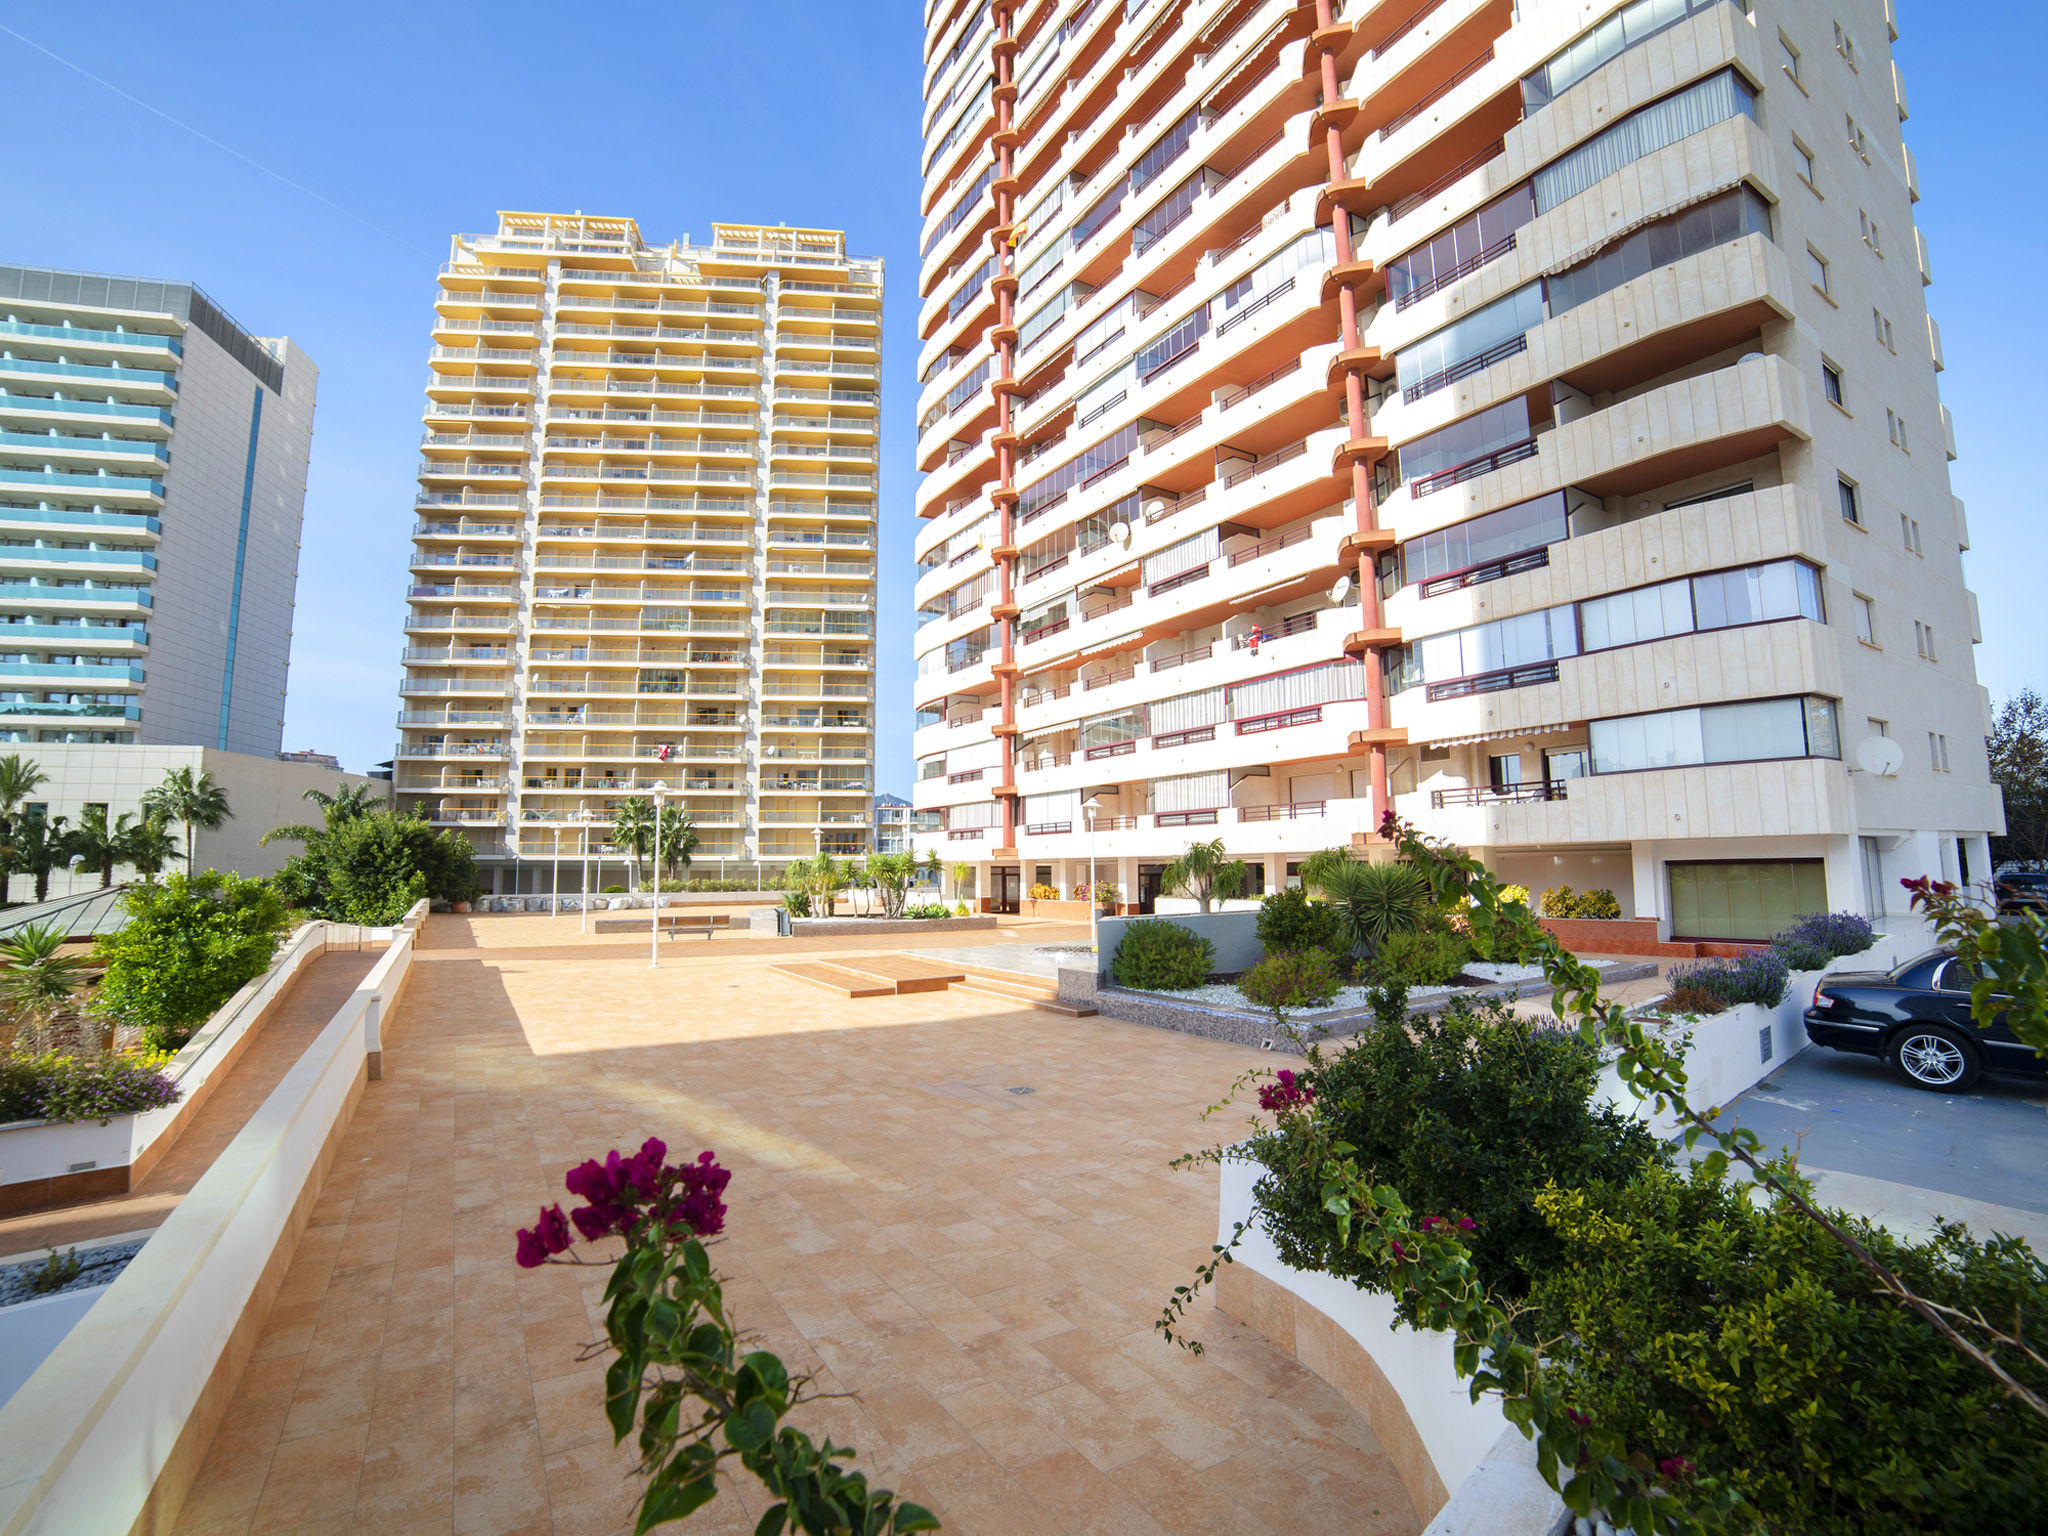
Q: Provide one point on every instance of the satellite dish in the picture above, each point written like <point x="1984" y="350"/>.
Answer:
<point x="1342" y="590"/>
<point x="1751" y="357"/>
<point x="1881" y="756"/>
<point x="1121" y="532"/>
<point x="1154" y="507"/>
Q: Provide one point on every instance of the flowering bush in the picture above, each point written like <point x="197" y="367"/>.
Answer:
<point x="1563" y="901"/>
<point x="1040" y="891"/>
<point x="1758" y="977"/>
<point x="676" y="1346"/>
<point x="1286" y="1093"/>
<point x="65" y="1089"/>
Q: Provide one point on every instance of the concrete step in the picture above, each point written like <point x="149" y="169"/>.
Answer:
<point x="837" y="979"/>
<point x="1037" y="997"/>
<point x="902" y="973"/>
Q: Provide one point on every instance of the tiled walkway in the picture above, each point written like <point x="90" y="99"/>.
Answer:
<point x="982" y="1268"/>
<point x="321" y="988"/>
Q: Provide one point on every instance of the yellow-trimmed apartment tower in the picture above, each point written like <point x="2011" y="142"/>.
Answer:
<point x="1522" y="417"/>
<point x="645" y="547"/>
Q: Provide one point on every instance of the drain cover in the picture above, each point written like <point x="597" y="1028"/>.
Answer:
<point x="1020" y="1090"/>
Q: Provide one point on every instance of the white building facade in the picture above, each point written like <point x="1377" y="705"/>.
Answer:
<point x="645" y="553"/>
<point x="1523" y="419"/>
<point x="152" y="484"/>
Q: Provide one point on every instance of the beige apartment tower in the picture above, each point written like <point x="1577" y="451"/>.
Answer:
<point x="1520" y="417"/>
<point x="645" y="547"/>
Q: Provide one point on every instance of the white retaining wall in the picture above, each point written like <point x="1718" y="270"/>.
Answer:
<point x="85" y="1439"/>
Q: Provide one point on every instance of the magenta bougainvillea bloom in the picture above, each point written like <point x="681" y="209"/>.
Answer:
<point x="1467" y="1224"/>
<point x="1285" y="1094"/>
<point x="1676" y="1468"/>
<point x="620" y="1192"/>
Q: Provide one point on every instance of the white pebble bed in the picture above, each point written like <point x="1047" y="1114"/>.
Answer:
<point x="1226" y="995"/>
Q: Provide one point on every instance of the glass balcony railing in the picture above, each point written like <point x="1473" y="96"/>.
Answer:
<point x="62" y="480"/>
<point x="79" y="334"/>
<point x="133" y="377"/>
<point x="46" y="442"/>
<point x="137" y="558"/>
<point x="51" y="594"/>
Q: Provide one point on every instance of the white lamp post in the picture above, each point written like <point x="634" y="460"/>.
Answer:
<point x="654" y="928"/>
<point x="555" y="878"/>
<point x="1089" y="808"/>
<point x="584" y="816"/>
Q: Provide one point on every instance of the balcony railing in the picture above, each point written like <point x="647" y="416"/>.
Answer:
<point x="1493" y="570"/>
<point x="1184" y="818"/>
<point x="1186" y="738"/>
<point x="1506" y="794"/>
<point x="1287" y="810"/>
<point x="1472" y="469"/>
<point x="1464" y="368"/>
<point x="1495" y="682"/>
<point x="1280" y="720"/>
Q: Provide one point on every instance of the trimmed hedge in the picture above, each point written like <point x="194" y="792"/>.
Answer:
<point x="1159" y="956"/>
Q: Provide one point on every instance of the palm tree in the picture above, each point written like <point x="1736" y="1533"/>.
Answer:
<point x="349" y="802"/>
<point x="1376" y="901"/>
<point x="146" y="845"/>
<point x="96" y="845"/>
<point x="633" y="830"/>
<point x="20" y="777"/>
<point x="962" y="872"/>
<point x="821" y="878"/>
<point x="37" y="980"/>
<point x="1205" y="872"/>
<point x="192" y="798"/>
<point x="892" y="874"/>
<point x="37" y="847"/>
<point x="678" y="839"/>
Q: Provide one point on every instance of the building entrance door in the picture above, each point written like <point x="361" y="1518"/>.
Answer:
<point x="1008" y="882"/>
<point x="1148" y="887"/>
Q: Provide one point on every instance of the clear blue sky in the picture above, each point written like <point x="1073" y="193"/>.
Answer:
<point x="422" y="120"/>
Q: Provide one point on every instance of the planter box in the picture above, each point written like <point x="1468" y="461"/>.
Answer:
<point x="1065" y="911"/>
<point x="811" y="927"/>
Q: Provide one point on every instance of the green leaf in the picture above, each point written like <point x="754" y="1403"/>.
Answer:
<point x="675" y="1501"/>
<point x="773" y="1522"/>
<point x="773" y="1374"/>
<point x="750" y="1428"/>
<point x="913" y="1517"/>
<point x="621" y="1396"/>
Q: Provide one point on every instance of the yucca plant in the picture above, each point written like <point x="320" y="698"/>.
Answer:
<point x="1206" y="872"/>
<point x="1376" y="901"/>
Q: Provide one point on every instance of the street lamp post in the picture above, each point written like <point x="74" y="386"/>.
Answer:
<point x="654" y="928"/>
<point x="1089" y="808"/>
<point x="555" y="877"/>
<point x="584" y="816"/>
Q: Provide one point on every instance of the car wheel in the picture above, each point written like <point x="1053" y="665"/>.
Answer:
<point x="1935" y="1057"/>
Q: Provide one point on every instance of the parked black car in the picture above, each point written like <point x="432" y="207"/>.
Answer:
<point x="2023" y="890"/>
<point x="1917" y="1018"/>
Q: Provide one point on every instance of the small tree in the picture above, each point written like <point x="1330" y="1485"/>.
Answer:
<point x="194" y="799"/>
<point x="2018" y="745"/>
<point x="1207" y="873"/>
<point x="189" y="944"/>
<point x="38" y="846"/>
<point x="371" y="866"/>
<point x="633" y="831"/>
<point x="20" y="777"/>
<point x="892" y="874"/>
<point x="678" y="840"/>
<point x="1377" y="901"/>
<point x="963" y="876"/>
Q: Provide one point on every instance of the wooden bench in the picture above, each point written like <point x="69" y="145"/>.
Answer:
<point x="671" y="924"/>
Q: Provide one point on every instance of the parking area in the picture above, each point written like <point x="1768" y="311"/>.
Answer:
<point x="1904" y="1156"/>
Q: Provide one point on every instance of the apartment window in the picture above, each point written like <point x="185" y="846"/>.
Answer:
<point x="1731" y="216"/>
<point x="1754" y="730"/>
<point x="1866" y="622"/>
<point x="1844" y="44"/>
<point x="1742" y="900"/>
<point x="1857" y="143"/>
<point x="1895" y="427"/>
<point x="1937" y="751"/>
<point x="1872" y="235"/>
<point x="1881" y="328"/>
<point x="1878" y="727"/>
<point x="1788" y="56"/>
<point x="1852" y="506"/>
<point x="1831" y="381"/>
<point x="1923" y="641"/>
<point x="1909" y="534"/>
<point x="1817" y="268"/>
<point x="1803" y="163"/>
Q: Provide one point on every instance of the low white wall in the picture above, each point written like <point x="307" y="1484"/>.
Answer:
<point x="36" y="1149"/>
<point x="1235" y="935"/>
<point x="1456" y="1432"/>
<point x="85" y="1439"/>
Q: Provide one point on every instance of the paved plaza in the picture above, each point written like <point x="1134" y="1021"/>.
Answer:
<point x="980" y="1267"/>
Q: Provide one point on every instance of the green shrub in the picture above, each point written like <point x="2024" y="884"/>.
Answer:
<point x="1284" y="983"/>
<point x="371" y="868"/>
<point x="1697" y="1323"/>
<point x="190" y="943"/>
<point x="1563" y="901"/>
<point x="1697" y="1001"/>
<point x="1802" y="954"/>
<point x="1159" y="956"/>
<point x="928" y="910"/>
<point x="1468" y="1112"/>
<point x="1291" y="924"/>
<point x="1425" y="957"/>
<point x="796" y="903"/>
<point x="1759" y="976"/>
<point x="960" y="910"/>
<point x="615" y="890"/>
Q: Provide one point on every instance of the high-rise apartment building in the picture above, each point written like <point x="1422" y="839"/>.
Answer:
<point x="645" y="551"/>
<point x="152" y="481"/>
<point x="1520" y="417"/>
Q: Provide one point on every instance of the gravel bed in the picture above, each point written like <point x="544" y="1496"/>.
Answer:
<point x="102" y="1265"/>
<point x="1224" y="994"/>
